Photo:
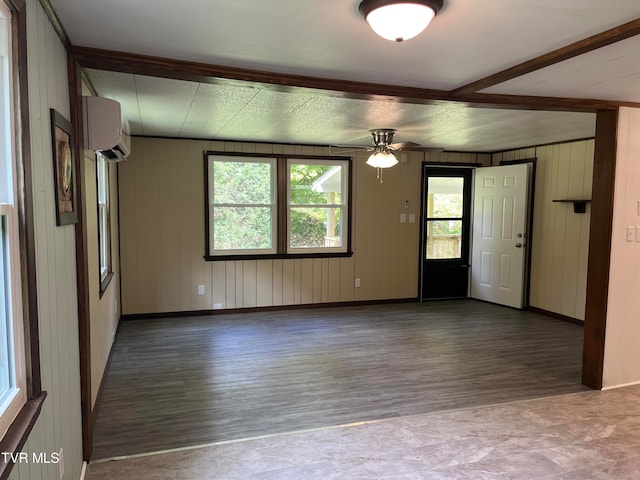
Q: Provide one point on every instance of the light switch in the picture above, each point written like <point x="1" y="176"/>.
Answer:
<point x="412" y="218"/>
<point x="631" y="234"/>
<point x="403" y="218"/>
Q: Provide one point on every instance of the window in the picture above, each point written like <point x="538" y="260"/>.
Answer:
<point x="445" y="200"/>
<point x="12" y="365"/>
<point x="104" y="222"/>
<point x="276" y="207"/>
<point x="316" y="209"/>
<point x="242" y="212"/>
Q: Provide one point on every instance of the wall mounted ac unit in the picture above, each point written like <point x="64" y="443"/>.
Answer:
<point x="106" y="130"/>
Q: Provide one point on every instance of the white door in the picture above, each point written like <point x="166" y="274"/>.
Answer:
<point x="500" y="234"/>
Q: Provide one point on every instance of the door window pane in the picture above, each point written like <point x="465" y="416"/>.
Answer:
<point x="444" y="239"/>
<point x="445" y="197"/>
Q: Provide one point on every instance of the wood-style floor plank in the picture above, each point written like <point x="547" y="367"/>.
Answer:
<point x="189" y="381"/>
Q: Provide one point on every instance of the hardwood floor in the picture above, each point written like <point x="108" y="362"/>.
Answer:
<point x="189" y="381"/>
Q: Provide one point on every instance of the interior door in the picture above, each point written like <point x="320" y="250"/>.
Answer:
<point x="446" y="230"/>
<point x="500" y="234"/>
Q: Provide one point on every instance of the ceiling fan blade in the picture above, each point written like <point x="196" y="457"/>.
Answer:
<point x="342" y="149"/>
<point x="414" y="147"/>
<point x="404" y="145"/>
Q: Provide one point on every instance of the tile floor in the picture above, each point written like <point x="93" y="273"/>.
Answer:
<point x="578" y="436"/>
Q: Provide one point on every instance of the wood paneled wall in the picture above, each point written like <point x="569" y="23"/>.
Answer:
<point x="59" y="425"/>
<point x="104" y="308"/>
<point x="560" y="237"/>
<point x="621" y="353"/>
<point x="162" y="236"/>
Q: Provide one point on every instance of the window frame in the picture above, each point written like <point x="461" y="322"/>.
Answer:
<point x="281" y="223"/>
<point x="343" y="205"/>
<point x="16" y="397"/>
<point x="272" y="205"/>
<point x="105" y="257"/>
<point x="23" y="231"/>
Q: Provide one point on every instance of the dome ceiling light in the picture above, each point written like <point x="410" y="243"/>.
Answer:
<point x="399" y="20"/>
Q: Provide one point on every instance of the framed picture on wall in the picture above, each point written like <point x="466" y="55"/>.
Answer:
<point x="63" y="169"/>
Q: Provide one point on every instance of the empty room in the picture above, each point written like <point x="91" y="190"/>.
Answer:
<point x="369" y="239"/>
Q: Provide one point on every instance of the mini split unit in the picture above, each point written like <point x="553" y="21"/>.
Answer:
<point x="106" y="130"/>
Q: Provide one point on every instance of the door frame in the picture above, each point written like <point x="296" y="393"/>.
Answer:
<point x="530" y="209"/>
<point x="530" y="212"/>
<point x="449" y="166"/>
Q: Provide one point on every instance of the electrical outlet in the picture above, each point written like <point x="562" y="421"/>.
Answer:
<point x="200" y="289"/>
<point x="217" y="306"/>
<point x="357" y="283"/>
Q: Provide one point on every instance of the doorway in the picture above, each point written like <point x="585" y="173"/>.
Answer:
<point x="446" y="232"/>
<point x="475" y="233"/>
<point x="501" y="221"/>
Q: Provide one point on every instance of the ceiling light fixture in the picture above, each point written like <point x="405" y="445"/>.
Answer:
<point x="399" y="20"/>
<point x="382" y="159"/>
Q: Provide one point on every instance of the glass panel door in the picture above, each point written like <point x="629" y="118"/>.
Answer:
<point x="446" y="221"/>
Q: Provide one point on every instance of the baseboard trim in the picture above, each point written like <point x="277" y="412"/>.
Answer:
<point x="557" y="316"/>
<point x="96" y="405"/>
<point x="83" y="472"/>
<point x="622" y="385"/>
<point x="201" y="313"/>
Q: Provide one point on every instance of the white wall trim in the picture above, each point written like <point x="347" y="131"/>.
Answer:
<point x="622" y="385"/>
<point x="83" y="472"/>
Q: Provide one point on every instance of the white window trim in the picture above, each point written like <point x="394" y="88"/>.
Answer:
<point x="343" y="205"/>
<point x="15" y="400"/>
<point x="17" y="397"/>
<point x="104" y="230"/>
<point x="272" y="161"/>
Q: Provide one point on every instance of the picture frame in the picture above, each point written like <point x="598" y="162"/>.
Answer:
<point x="63" y="169"/>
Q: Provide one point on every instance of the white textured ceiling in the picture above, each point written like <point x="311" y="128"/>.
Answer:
<point x="468" y="40"/>
<point x="176" y="108"/>
<point x="611" y="73"/>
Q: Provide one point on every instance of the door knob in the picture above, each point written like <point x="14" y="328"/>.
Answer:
<point x="518" y="245"/>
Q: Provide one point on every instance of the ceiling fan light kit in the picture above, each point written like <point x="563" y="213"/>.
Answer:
<point x="382" y="149"/>
<point x="399" y="20"/>
<point x="382" y="159"/>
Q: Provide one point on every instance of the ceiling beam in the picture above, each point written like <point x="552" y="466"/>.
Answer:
<point x="206" y="73"/>
<point x="613" y="35"/>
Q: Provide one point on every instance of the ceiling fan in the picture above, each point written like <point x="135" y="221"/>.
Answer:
<point x="382" y="148"/>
